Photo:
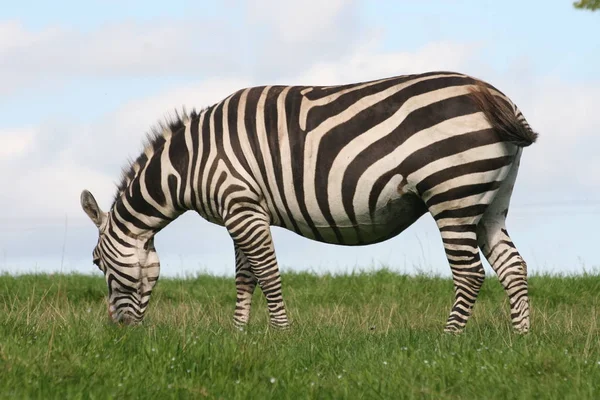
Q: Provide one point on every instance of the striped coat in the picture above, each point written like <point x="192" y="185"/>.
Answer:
<point x="352" y="165"/>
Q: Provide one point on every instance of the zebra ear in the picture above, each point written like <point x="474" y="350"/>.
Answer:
<point x="89" y="205"/>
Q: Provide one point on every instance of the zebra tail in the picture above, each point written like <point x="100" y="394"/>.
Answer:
<point x="503" y="117"/>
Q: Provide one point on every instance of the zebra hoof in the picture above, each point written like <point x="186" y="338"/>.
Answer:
<point x="240" y="325"/>
<point x="453" y="330"/>
<point x="521" y="330"/>
<point x="281" y="327"/>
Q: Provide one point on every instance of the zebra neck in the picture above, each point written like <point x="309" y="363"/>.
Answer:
<point x="170" y="177"/>
<point x="141" y="216"/>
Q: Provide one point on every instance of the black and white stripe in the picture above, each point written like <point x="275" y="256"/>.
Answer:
<point x="353" y="165"/>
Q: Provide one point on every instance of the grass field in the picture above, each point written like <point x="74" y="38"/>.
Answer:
<point x="376" y="335"/>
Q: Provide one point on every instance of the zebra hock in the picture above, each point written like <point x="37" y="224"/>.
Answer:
<point x="351" y="164"/>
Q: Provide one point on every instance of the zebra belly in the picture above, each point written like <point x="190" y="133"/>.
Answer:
<point x="390" y="219"/>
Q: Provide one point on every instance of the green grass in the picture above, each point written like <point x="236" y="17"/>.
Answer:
<point x="370" y="336"/>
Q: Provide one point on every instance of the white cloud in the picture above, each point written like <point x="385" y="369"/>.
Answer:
<point x="301" y="22"/>
<point x="106" y="143"/>
<point x="14" y="142"/>
<point x="14" y="36"/>
<point x="285" y="37"/>
<point x="17" y="46"/>
<point x="562" y="163"/>
<point x="369" y="62"/>
<point x="126" y="49"/>
<point x="88" y="155"/>
<point x="52" y="192"/>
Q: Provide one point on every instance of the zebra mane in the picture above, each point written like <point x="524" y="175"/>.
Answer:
<point x="155" y="139"/>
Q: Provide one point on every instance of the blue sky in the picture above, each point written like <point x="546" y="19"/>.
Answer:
<point x="80" y="83"/>
<point x="547" y="38"/>
<point x="548" y="34"/>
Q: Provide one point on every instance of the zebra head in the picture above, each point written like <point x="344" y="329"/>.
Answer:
<point x="130" y="264"/>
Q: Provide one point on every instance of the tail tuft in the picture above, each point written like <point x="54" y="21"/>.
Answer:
<point x="503" y="117"/>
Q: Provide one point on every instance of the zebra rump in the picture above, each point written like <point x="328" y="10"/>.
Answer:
<point x="513" y="127"/>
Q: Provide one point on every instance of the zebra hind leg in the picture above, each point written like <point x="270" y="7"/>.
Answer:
<point x="501" y="253"/>
<point x="251" y="235"/>
<point x="458" y="205"/>
<point x="468" y="275"/>
<point x="498" y="248"/>
<point x="245" y="283"/>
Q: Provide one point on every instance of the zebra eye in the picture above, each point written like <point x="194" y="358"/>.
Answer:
<point x="96" y="261"/>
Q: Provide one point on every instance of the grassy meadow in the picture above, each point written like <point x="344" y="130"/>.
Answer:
<point x="370" y="335"/>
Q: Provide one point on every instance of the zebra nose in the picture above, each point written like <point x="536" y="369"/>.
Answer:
<point x="126" y="318"/>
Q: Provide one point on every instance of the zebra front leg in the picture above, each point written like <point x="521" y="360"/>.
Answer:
<point x="508" y="264"/>
<point x="251" y="235"/>
<point x="245" y="283"/>
<point x="460" y="244"/>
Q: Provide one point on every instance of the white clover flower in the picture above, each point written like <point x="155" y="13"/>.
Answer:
<point x="272" y="380"/>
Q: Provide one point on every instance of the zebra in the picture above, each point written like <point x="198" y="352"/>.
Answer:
<point x="352" y="164"/>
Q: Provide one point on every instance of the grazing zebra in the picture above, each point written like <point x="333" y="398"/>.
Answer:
<point x="352" y="164"/>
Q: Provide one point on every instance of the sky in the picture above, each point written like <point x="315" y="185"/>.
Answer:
<point x="81" y="83"/>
